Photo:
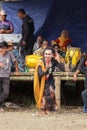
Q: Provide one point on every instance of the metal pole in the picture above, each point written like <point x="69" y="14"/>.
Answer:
<point x="0" y="6"/>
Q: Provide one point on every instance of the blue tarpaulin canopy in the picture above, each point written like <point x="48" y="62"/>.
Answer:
<point x="53" y="16"/>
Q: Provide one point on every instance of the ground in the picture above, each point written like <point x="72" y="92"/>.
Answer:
<point x="27" y="117"/>
<point x="32" y="119"/>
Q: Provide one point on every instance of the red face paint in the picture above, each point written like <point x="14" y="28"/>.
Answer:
<point x="86" y="63"/>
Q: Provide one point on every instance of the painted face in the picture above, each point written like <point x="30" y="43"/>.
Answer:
<point x="48" y="55"/>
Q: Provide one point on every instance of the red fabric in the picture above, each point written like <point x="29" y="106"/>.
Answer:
<point x="57" y="40"/>
<point x="65" y="43"/>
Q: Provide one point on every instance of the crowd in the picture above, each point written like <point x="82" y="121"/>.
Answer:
<point x="56" y="55"/>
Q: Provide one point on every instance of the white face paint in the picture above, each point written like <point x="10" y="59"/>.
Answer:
<point x="48" y="55"/>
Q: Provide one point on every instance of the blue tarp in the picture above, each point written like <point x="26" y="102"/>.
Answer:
<point x="53" y="16"/>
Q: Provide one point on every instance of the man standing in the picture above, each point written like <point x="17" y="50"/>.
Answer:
<point x="83" y="68"/>
<point x="27" y="40"/>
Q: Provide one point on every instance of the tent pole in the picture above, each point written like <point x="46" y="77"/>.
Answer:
<point x="0" y="6"/>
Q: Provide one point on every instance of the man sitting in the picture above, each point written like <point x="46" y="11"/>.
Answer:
<point x="6" y="26"/>
<point x="83" y="69"/>
<point x="37" y="44"/>
<point x="63" y="41"/>
<point x="39" y="52"/>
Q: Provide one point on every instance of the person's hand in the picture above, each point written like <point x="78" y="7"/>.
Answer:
<point x="2" y="31"/>
<point x="75" y="77"/>
<point x="47" y="65"/>
<point x="16" y="73"/>
<point x="57" y="57"/>
<point x="23" y="42"/>
<point x="1" y="65"/>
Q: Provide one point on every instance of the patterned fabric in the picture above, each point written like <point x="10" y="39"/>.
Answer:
<point x="7" y="25"/>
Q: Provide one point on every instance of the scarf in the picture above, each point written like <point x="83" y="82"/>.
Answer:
<point x="39" y="85"/>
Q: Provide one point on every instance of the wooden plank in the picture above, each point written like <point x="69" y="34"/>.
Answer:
<point x="57" y="91"/>
<point x="30" y="75"/>
<point x="68" y="75"/>
<point x="22" y="78"/>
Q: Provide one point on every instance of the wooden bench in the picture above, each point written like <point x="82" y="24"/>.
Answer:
<point x="58" y="76"/>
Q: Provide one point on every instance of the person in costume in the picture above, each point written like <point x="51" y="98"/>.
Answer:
<point x="83" y="69"/>
<point x="63" y="41"/>
<point x="44" y="85"/>
<point x="39" y="52"/>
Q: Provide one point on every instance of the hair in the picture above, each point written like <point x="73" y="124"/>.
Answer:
<point x="55" y="45"/>
<point x="52" y="42"/>
<point x="40" y="36"/>
<point x="49" y="48"/>
<point x="45" y="40"/>
<point x="65" y="32"/>
<point x="10" y="43"/>
<point x="21" y="11"/>
<point x="41" y="42"/>
<point x="0" y="45"/>
<point x="3" y="44"/>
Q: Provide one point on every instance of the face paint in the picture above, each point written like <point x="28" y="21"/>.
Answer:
<point x="48" y="56"/>
<point x="86" y="63"/>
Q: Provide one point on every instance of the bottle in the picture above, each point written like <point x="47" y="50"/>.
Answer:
<point x="26" y="69"/>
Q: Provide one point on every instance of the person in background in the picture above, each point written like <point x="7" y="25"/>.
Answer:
<point x="6" y="26"/>
<point x="82" y="67"/>
<point x="37" y="44"/>
<point x="39" y="52"/>
<point x="58" y="57"/>
<point x="63" y="41"/>
<point x="44" y="85"/>
<point x="21" y="63"/>
<point x="52" y="42"/>
<point x="27" y="40"/>
<point x="5" y="70"/>
<point x="12" y="49"/>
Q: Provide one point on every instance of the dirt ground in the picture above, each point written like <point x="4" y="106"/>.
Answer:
<point x="31" y="119"/>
